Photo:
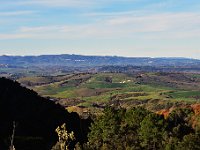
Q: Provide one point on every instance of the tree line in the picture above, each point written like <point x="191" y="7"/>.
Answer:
<point x="138" y="128"/>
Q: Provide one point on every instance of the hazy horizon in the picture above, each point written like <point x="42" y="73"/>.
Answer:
<point x="97" y="55"/>
<point x="128" y="28"/>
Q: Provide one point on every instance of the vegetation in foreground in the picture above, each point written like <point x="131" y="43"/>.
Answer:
<point x="36" y="119"/>
<point x="138" y="128"/>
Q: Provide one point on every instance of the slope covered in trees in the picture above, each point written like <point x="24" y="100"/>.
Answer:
<point x="139" y="128"/>
<point x="36" y="119"/>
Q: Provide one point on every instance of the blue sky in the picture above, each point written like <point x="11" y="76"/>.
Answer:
<point x="154" y="28"/>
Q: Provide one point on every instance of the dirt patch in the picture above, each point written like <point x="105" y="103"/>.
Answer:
<point x="127" y="95"/>
<point x="85" y="92"/>
<point x="69" y="102"/>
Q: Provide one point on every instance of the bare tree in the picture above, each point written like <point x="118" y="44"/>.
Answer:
<point x="12" y="137"/>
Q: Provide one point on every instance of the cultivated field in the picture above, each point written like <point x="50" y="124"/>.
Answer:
<point x="91" y="92"/>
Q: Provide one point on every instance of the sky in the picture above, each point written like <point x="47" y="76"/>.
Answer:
<point x="133" y="28"/>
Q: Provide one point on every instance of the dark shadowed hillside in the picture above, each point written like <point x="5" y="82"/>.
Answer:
<point x="36" y="118"/>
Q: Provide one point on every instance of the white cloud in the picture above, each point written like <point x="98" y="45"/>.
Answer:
<point x="153" y="26"/>
<point x="39" y="29"/>
<point x="56" y="3"/>
<point x="15" y="36"/>
<point x="59" y="2"/>
<point x="17" y="13"/>
<point x="167" y="19"/>
<point x="69" y="3"/>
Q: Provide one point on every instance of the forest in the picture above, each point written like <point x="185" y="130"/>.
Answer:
<point x="138" y="128"/>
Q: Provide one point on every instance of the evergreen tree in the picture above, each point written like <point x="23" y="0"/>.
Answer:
<point x="151" y="131"/>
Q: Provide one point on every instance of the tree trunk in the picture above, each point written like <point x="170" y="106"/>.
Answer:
<point x="12" y="137"/>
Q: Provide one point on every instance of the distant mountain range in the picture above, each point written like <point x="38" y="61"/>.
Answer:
<point x="91" y="61"/>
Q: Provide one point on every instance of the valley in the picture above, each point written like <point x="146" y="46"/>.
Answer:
<point x="91" y="92"/>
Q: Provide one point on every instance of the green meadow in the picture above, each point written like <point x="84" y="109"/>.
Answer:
<point x="122" y="89"/>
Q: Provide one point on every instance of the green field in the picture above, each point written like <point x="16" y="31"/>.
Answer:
<point x="152" y="90"/>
